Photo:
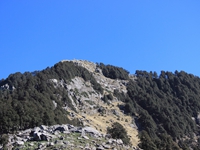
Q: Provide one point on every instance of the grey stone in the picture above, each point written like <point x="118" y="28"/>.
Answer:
<point x="91" y="130"/>
<point x="44" y="137"/>
<point x="106" y="146"/>
<point x="50" y="144"/>
<point x="24" y="133"/>
<point x="36" y="136"/>
<point x="62" y="128"/>
<point x="61" y="138"/>
<point x="85" y="137"/>
<point x="76" y="129"/>
<point x="58" y="142"/>
<point x="115" y="112"/>
<point x="79" y="130"/>
<point x="198" y="118"/>
<point x="43" y="127"/>
<point x="66" y="142"/>
<point x="19" y="143"/>
<point x="93" y="141"/>
<point x="54" y="127"/>
<point x="119" y="141"/>
<point x="66" y="132"/>
<point x="83" y="133"/>
<point x="57" y="132"/>
<point x="70" y="126"/>
<point x="36" y="129"/>
<point x="111" y="141"/>
<point x="81" y="147"/>
<point x="87" y="146"/>
<point x="93" y="148"/>
<point x="30" y="144"/>
<point x="41" y="146"/>
<point x="100" y="148"/>
<point x="108" y="136"/>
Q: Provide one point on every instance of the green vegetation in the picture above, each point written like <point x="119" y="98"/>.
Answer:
<point x="166" y="107"/>
<point x="107" y="97"/>
<point x="4" y="140"/>
<point x="117" y="131"/>
<point x="30" y="103"/>
<point x="114" y="72"/>
<point x="85" y="94"/>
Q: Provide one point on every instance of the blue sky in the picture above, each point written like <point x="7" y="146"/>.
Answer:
<point x="136" y="35"/>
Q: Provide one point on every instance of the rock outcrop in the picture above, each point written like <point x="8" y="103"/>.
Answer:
<point x="64" y="137"/>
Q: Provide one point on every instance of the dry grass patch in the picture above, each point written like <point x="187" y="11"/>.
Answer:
<point x="101" y="122"/>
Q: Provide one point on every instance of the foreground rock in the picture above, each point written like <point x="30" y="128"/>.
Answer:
<point x="63" y="137"/>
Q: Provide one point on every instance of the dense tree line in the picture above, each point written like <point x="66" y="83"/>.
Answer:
<point x="114" y="72"/>
<point x="167" y="107"/>
<point x="30" y="103"/>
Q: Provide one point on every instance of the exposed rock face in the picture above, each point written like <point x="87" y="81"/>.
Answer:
<point x="88" y="102"/>
<point x="88" y="138"/>
<point x="62" y="128"/>
<point x="91" y="130"/>
<point x="90" y="110"/>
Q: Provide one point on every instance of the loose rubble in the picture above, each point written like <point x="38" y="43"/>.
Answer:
<point x="64" y="136"/>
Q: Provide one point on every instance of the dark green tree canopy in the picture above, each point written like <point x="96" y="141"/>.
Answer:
<point x="114" y="72"/>
<point x="26" y="100"/>
<point x="117" y="131"/>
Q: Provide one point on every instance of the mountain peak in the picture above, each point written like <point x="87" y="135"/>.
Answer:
<point x="153" y="109"/>
<point x="90" y="66"/>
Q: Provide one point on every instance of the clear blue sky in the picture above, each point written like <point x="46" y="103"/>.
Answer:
<point x="151" y="35"/>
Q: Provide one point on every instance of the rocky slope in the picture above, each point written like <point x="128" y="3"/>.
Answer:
<point x="90" y="102"/>
<point x="150" y="111"/>
<point x="90" y="110"/>
<point x="64" y="137"/>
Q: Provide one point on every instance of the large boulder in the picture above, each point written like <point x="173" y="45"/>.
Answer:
<point x="36" y="129"/>
<point x="91" y="131"/>
<point x="43" y="127"/>
<point x="62" y="128"/>
<point x="115" y="112"/>
<point x="19" y="143"/>
<point x="100" y="147"/>
<point x="119" y="141"/>
<point x="106" y="146"/>
<point x="42" y="136"/>
<point x="36" y="136"/>
<point x="76" y="129"/>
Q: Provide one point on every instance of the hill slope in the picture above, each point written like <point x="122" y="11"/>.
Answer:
<point x="157" y="111"/>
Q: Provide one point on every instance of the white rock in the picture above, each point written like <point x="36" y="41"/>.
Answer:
<point x="20" y="143"/>
<point x="119" y="141"/>
<point x="91" y="130"/>
<point x="85" y="137"/>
